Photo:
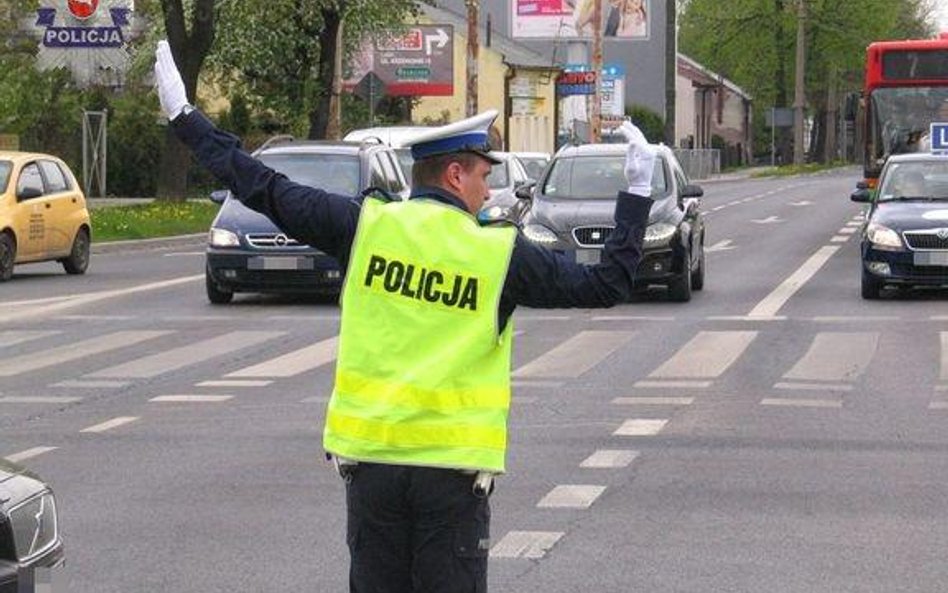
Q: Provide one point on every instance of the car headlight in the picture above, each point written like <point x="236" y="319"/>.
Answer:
<point x="222" y="238"/>
<point x="540" y="234"/>
<point x="659" y="234"/>
<point x="882" y="237"/>
<point x="35" y="526"/>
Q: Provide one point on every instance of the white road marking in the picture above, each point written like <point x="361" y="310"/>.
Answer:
<point x="644" y="384"/>
<point x="835" y="356"/>
<point x="780" y="295"/>
<point x="745" y="318"/>
<point x="29" y="454"/>
<point x="941" y="387"/>
<point x="14" y="337"/>
<point x="855" y="318"/>
<point x="536" y="384"/>
<point x="576" y="355"/>
<point x="724" y="245"/>
<point x="640" y="427"/>
<point x="938" y="405"/>
<point x="544" y="317"/>
<point x="316" y="399"/>
<point x="78" y="384"/>
<point x="632" y="318"/>
<point x="654" y="401"/>
<point x="705" y="356"/>
<point x="839" y="239"/>
<point x="110" y="424"/>
<point x="37" y="399"/>
<point x="45" y="308"/>
<point x="855" y="223"/>
<point x="178" y="358"/>
<point x="848" y="230"/>
<point x="525" y="544"/>
<point x="801" y="403"/>
<point x="768" y="220"/>
<point x="25" y="363"/>
<point x="95" y="317"/>
<point x="801" y="203"/>
<point x="191" y="398"/>
<point x="813" y="386"/>
<point x="610" y="458"/>
<point x="571" y="496"/>
<point x="294" y="363"/>
<point x="234" y="383"/>
<point x="943" y="376"/>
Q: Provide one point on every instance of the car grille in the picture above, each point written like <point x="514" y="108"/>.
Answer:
<point x="271" y="241"/>
<point x="591" y="236"/>
<point x="926" y="239"/>
<point x="35" y="528"/>
<point x="906" y="271"/>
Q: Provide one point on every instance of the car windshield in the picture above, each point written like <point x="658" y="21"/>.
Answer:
<point x="915" y="179"/>
<point x="595" y="177"/>
<point x="5" y="168"/>
<point x="534" y="166"/>
<point x="335" y="173"/>
<point x="498" y="178"/>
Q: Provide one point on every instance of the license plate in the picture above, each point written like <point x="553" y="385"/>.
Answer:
<point x="930" y="258"/>
<point x="279" y="263"/>
<point x="588" y="256"/>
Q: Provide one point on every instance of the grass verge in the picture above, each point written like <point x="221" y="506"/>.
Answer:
<point x="786" y="170"/>
<point x="156" y="219"/>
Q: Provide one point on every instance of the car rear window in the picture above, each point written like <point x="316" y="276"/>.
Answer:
<point x="5" y="168"/>
<point x="595" y="177"/>
<point x="498" y="176"/>
<point x="335" y="173"/>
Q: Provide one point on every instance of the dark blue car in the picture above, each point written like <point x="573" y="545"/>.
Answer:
<point x="246" y="252"/>
<point x="905" y="234"/>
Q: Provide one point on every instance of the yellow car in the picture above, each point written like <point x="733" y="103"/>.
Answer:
<point x="43" y="214"/>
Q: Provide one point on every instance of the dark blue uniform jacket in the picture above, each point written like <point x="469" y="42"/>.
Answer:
<point x="537" y="277"/>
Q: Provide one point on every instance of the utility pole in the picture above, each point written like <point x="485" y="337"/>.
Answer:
<point x="334" y="125"/>
<point x="472" y="50"/>
<point x="671" y="70"/>
<point x="799" y="94"/>
<point x="595" y="113"/>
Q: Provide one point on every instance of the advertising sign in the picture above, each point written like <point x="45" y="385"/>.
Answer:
<point x="417" y="62"/>
<point x="572" y="19"/>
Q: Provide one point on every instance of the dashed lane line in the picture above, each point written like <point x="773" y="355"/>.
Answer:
<point x="640" y="427"/>
<point x="801" y="403"/>
<point x="571" y="496"/>
<point x="610" y="458"/>
<point x="191" y="398"/>
<point x="110" y="424"/>
<point x="29" y="454"/>
<point x="531" y="545"/>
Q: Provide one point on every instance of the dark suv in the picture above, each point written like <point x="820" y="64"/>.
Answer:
<point x="246" y="252"/>
<point x="573" y="208"/>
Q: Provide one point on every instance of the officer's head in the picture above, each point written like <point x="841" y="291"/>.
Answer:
<point x="456" y="158"/>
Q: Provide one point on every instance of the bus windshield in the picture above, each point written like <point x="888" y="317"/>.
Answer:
<point x="901" y="117"/>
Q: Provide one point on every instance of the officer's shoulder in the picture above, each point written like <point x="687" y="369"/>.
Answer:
<point x="377" y="193"/>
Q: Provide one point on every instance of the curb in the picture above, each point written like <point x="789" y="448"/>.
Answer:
<point x="196" y="240"/>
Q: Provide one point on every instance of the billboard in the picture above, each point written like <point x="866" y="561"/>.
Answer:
<point x="417" y="62"/>
<point x="572" y="19"/>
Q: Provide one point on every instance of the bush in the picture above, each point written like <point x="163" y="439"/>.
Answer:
<point x="651" y="123"/>
<point x="135" y="139"/>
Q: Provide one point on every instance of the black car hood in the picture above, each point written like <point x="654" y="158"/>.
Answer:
<point x="912" y="215"/>
<point x="564" y="214"/>
<point x="234" y="216"/>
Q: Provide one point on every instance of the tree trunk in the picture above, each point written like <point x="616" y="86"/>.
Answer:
<point x="319" y="115"/>
<point x="189" y="51"/>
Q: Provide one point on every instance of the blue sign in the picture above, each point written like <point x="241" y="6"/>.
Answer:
<point x="939" y="136"/>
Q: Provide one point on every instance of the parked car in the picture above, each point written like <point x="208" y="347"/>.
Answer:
<point x="43" y="214"/>
<point x="905" y="234"/>
<point x="246" y="251"/>
<point x="534" y="163"/>
<point x="398" y="137"/>
<point x="573" y="208"/>
<point x="30" y="542"/>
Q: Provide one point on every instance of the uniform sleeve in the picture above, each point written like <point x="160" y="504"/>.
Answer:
<point x="310" y="215"/>
<point x="541" y="278"/>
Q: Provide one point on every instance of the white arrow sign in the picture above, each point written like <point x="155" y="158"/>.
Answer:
<point x="768" y="220"/>
<point x="441" y="38"/>
<point x="724" y="245"/>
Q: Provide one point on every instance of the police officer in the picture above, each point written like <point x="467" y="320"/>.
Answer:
<point x="417" y="419"/>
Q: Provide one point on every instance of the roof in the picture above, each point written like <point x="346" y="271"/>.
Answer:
<point x="918" y="156"/>
<point x="515" y="54"/>
<point x="14" y="155"/>
<point x="316" y="147"/>
<point x="609" y="148"/>
<point x="691" y="69"/>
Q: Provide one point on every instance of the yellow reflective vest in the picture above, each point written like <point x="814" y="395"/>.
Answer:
<point x="423" y="372"/>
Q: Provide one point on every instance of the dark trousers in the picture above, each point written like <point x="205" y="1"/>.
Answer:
<point x="416" y="530"/>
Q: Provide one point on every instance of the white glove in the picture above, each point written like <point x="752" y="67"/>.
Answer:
<point x="639" y="160"/>
<point x="171" y="93"/>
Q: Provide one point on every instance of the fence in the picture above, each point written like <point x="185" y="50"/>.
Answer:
<point x="699" y="163"/>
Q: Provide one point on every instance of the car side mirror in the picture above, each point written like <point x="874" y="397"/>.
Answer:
<point x="525" y="190"/>
<point x="862" y="185"/>
<point x="28" y="193"/>
<point x="861" y="195"/>
<point x="692" y="191"/>
<point x="219" y="196"/>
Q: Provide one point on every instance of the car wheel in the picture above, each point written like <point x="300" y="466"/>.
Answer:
<point x="78" y="259"/>
<point x="7" y="256"/>
<point x="679" y="288"/>
<point x="215" y="294"/>
<point x="697" y="276"/>
<point x="870" y="286"/>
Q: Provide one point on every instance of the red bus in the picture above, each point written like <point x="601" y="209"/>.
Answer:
<point x="906" y="89"/>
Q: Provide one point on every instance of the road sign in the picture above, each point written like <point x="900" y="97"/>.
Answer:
<point x="418" y="62"/>
<point x="370" y="89"/>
